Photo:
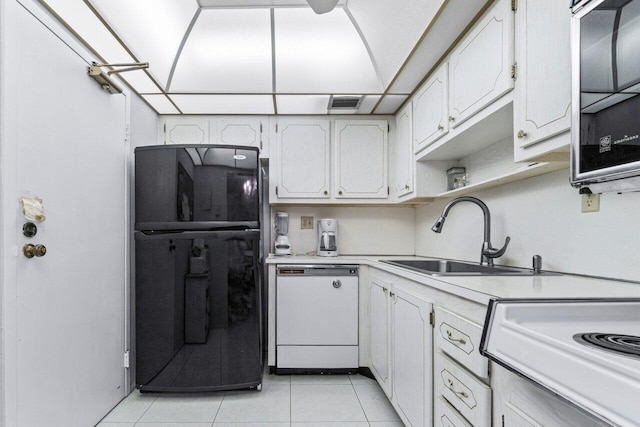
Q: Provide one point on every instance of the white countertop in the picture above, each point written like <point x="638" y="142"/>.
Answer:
<point x="483" y="288"/>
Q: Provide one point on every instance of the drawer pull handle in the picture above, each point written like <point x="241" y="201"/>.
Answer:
<point x="453" y="389"/>
<point x="450" y="338"/>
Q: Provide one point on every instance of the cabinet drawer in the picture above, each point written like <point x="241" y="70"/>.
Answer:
<point x="460" y="338"/>
<point x="467" y="394"/>
<point x="447" y="416"/>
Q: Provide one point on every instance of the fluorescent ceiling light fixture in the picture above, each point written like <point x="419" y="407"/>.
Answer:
<point x="224" y="104"/>
<point x="161" y="104"/>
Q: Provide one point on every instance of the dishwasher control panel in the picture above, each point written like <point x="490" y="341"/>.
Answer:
<point x="317" y="270"/>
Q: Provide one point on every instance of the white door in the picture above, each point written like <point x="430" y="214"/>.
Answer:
<point x="303" y="159"/>
<point x="70" y="308"/>
<point x="412" y="359"/>
<point x="403" y="153"/>
<point x="542" y="102"/>
<point x="431" y="109"/>
<point x="480" y="66"/>
<point x="361" y="159"/>
<point x="380" y="329"/>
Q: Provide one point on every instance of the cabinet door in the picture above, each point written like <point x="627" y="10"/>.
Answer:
<point x="542" y="102"/>
<point x="403" y="153"/>
<point x="431" y="109"/>
<point x="361" y="159"/>
<point x="303" y="159"/>
<point x="480" y="66"/>
<point x="186" y="130"/>
<point x="412" y="359"/>
<point x="379" y="326"/>
<point x="240" y="131"/>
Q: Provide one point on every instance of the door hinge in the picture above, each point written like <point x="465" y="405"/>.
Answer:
<point x="127" y="133"/>
<point x="126" y="359"/>
<point x="503" y="421"/>
<point x="260" y="127"/>
<point x="432" y="318"/>
<point x="164" y="130"/>
<point x="388" y="191"/>
<point x="276" y="128"/>
<point x="514" y="5"/>
<point x="388" y="127"/>
<point x="514" y="71"/>
<point x="276" y="190"/>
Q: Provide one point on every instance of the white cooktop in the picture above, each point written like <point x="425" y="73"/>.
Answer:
<point x="535" y="338"/>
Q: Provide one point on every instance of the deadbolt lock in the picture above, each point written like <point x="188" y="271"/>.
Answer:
<point x="29" y="229"/>
<point x="30" y="250"/>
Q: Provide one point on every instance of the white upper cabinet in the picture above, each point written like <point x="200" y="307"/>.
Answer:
<point x="542" y="102"/>
<point x="480" y="65"/>
<point x="431" y="109"/>
<point x="185" y="130"/>
<point x="303" y="159"/>
<point x="226" y="130"/>
<point x="361" y="153"/>
<point x="239" y="131"/>
<point x="403" y="153"/>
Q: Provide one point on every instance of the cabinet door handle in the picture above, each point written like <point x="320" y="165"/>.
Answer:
<point x="340" y="193"/>
<point x="391" y="294"/>
<point x="521" y="134"/>
<point x="452" y="387"/>
<point x="450" y="338"/>
<point x="325" y="192"/>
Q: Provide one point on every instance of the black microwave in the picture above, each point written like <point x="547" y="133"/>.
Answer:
<point x="605" y="139"/>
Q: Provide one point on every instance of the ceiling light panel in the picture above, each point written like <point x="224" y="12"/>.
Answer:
<point x="140" y="81"/>
<point x="161" y="104"/>
<point x="321" y="54"/>
<point x="302" y="104"/>
<point x="84" y="22"/>
<point x="257" y="3"/>
<point x="228" y="51"/>
<point x="151" y="29"/>
<point x="224" y="104"/>
<point x="390" y="103"/>
<point x="392" y="32"/>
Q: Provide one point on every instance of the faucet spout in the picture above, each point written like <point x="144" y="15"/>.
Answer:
<point x="488" y="253"/>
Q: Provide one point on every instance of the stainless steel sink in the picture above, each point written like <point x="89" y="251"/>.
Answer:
<point x="443" y="267"/>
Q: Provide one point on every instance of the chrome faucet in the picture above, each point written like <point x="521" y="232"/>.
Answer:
<point x="488" y="252"/>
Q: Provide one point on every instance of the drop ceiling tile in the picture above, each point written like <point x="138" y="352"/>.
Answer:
<point x="392" y="32"/>
<point x="368" y="103"/>
<point x="228" y="51"/>
<point x="84" y="22"/>
<point x="321" y="54"/>
<point x="224" y="104"/>
<point x="161" y="104"/>
<point x="390" y="103"/>
<point x="152" y="29"/>
<point x="302" y="104"/>
<point x="140" y="81"/>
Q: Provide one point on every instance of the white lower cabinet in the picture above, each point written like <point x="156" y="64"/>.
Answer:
<point x="470" y="397"/>
<point x="411" y="360"/>
<point x="401" y="350"/>
<point x="446" y="416"/>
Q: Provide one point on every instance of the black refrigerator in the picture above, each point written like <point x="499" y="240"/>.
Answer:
<point x="197" y="268"/>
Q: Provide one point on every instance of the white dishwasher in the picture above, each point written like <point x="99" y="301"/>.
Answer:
<point x="316" y="318"/>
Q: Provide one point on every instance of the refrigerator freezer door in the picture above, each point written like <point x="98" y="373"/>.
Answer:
<point x="198" y="322"/>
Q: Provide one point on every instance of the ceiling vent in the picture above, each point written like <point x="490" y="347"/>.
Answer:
<point x="344" y="103"/>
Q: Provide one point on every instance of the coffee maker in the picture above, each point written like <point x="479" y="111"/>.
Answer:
<point x="282" y="244"/>
<point x="327" y="237"/>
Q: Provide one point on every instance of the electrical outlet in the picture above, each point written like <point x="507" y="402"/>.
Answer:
<point x="306" y="223"/>
<point x="590" y="202"/>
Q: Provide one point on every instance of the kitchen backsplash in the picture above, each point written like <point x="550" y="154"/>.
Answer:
<point x="362" y="230"/>
<point x="543" y="216"/>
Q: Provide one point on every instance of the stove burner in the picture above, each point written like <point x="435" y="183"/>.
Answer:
<point x="626" y="344"/>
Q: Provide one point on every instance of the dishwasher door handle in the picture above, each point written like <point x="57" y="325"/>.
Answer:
<point x="337" y="284"/>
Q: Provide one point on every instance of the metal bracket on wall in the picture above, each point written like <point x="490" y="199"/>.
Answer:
<point x="104" y="79"/>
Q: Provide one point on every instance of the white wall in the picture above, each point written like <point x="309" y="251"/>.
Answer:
<point x="361" y="230"/>
<point x="542" y="216"/>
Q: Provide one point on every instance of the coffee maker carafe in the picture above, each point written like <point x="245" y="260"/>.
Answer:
<point x="327" y="237"/>
<point x="282" y="243"/>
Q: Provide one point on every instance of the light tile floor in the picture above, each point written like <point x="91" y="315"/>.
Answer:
<point x="285" y="401"/>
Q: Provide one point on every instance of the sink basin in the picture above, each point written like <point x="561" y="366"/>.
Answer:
<point x="436" y="267"/>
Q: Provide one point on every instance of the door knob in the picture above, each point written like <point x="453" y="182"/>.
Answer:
<point x="29" y="250"/>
